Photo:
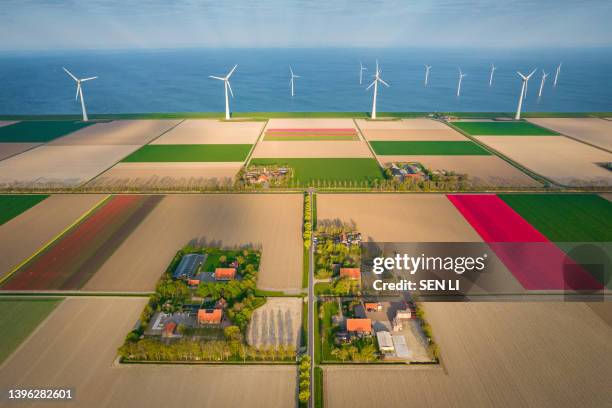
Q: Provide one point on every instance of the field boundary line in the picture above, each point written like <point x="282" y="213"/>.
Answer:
<point x="367" y="142"/>
<point x="25" y="151"/>
<point x="247" y="161"/>
<point x="56" y="238"/>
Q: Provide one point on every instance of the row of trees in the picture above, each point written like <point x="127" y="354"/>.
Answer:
<point x="304" y="380"/>
<point x="307" y="234"/>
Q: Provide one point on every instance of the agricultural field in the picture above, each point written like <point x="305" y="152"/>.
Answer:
<point x="493" y="355"/>
<point x="310" y="123"/>
<point x="60" y="166"/>
<point x="503" y="128"/>
<point x="117" y="132"/>
<point x="590" y="130"/>
<point x="69" y="262"/>
<point x="25" y="234"/>
<point x="409" y="130"/>
<point x="272" y="223"/>
<point x="82" y="354"/>
<point x="344" y="134"/>
<point x="206" y="131"/>
<point x="309" y="170"/>
<point x="401" y="124"/>
<point x="13" y="205"/>
<point x="558" y="158"/>
<point x="428" y="148"/>
<point x="38" y="131"/>
<point x="190" y="153"/>
<point x="6" y="122"/>
<point x="277" y="322"/>
<point x="311" y="149"/>
<point x="11" y="149"/>
<point x="167" y="175"/>
<point x="19" y="317"/>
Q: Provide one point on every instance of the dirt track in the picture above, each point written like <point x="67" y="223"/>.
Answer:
<point x="495" y="355"/>
<point x="482" y="170"/>
<point x="271" y="221"/>
<point x="556" y="157"/>
<point x="206" y="131"/>
<point x="591" y="130"/>
<point x="25" y="234"/>
<point x="76" y="347"/>
<point x="10" y="149"/>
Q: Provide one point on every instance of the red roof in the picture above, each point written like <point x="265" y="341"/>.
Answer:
<point x="169" y="328"/>
<point x="371" y="306"/>
<point x="210" y="316"/>
<point x="351" y="273"/>
<point x="359" y="325"/>
<point x="225" y="273"/>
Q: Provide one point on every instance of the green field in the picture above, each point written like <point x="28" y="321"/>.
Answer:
<point x="38" y="131"/>
<point x="190" y="153"/>
<point x="18" y="318"/>
<point x="429" y="148"/>
<point x="573" y="222"/>
<point x="13" y="205"/>
<point x="339" y="170"/>
<point x="520" y="128"/>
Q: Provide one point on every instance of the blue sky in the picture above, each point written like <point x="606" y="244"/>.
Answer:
<point x="95" y="24"/>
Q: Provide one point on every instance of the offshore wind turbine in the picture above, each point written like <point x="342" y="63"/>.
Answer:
<point x="227" y="87"/>
<point x="544" y="75"/>
<point x="493" y="68"/>
<point x="291" y="81"/>
<point x="557" y="74"/>
<point x="461" y="75"/>
<point x="79" y="91"/>
<point x="427" y="68"/>
<point x="374" y="83"/>
<point x="361" y="69"/>
<point x="523" y="90"/>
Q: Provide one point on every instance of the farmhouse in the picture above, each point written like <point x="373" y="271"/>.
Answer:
<point x="351" y="273"/>
<point x="359" y="326"/>
<point x="402" y="316"/>
<point x="225" y="274"/>
<point x="385" y="342"/>
<point x="210" y="316"/>
<point x="189" y="266"/>
<point x="373" y="306"/>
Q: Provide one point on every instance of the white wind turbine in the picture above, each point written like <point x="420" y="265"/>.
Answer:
<point x="374" y="83"/>
<point x="493" y="68"/>
<point x="291" y="81"/>
<point x="461" y="75"/>
<point x="361" y="69"/>
<point x="427" y="68"/>
<point x="79" y="91"/>
<point x="523" y="90"/>
<point x="544" y="75"/>
<point x="557" y="74"/>
<point x="227" y="86"/>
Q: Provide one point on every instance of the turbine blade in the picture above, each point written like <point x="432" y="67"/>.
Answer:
<point x="230" y="88"/>
<point x="216" y="77"/>
<point x="383" y="82"/>
<point x="373" y="82"/>
<point x="521" y="75"/>
<point x="70" y="73"/>
<point x="532" y="72"/>
<point x="88" y="79"/>
<point x="232" y="71"/>
<point x="290" y="70"/>
<point x="76" y="96"/>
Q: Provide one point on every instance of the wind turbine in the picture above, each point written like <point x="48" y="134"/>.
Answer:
<point x="292" y="77"/>
<point x="461" y="75"/>
<point x="544" y="75"/>
<point x="79" y="91"/>
<point x="557" y="74"/>
<point x="523" y="90"/>
<point x="374" y="83"/>
<point x="493" y="68"/>
<point x="227" y="85"/>
<point x="427" y="68"/>
<point x="361" y="69"/>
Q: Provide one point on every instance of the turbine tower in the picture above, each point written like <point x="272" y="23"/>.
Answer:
<point x="461" y="75"/>
<point x="291" y="81"/>
<point x="79" y="92"/>
<point x="523" y="90"/>
<point x="227" y="86"/>
<point x="544" y="75"/>
<point x="374" y="83"/>
<point x="361" y="69"/>
<point x="493" y="68"/>
<point x="557" y="72"/>
<point x="427" y="68"/>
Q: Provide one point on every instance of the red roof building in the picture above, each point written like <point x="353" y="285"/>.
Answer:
<point x="210" y="316"/>
<point x="351" y="273"/>
<point x="169" y="329"/>
<point x="225" y="273"/>
<point x="359" y="326"/>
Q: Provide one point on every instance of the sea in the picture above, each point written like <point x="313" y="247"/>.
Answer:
<point x="177" y="80"/>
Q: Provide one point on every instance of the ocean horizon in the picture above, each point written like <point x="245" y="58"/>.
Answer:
<point x="176" y="80"/>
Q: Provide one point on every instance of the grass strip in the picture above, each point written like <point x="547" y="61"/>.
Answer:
<point x="190" y="153"/>
<point x="429" y="147"/>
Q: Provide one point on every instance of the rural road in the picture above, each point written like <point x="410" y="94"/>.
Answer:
<point x="311" y="311"/>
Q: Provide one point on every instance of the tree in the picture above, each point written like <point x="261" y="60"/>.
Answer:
<point x="304" y="396"/>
